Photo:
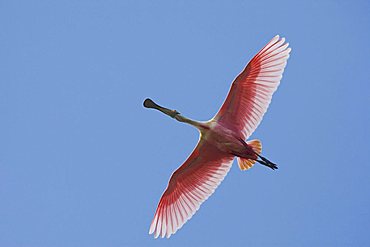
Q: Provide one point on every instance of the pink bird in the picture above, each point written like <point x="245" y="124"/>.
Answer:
<point x="221" y="139"/>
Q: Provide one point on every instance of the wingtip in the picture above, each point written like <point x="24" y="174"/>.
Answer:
<point x="274" y="39"/>
<point x="153" y="224"/>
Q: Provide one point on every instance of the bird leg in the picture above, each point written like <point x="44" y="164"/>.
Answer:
<point x="263" y="160"/>
<point x="267" y="163"/>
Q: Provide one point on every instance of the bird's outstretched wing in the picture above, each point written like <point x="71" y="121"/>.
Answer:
<point x="189" y="186"/>
<point x="250" y="93"/>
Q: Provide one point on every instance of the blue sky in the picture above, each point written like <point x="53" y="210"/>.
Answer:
<point x="82" y="163"/>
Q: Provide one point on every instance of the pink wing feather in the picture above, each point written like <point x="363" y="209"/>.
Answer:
<point x="250" y="93"/>
<point x="189" y="186"/>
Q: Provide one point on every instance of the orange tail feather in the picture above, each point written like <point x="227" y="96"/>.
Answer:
<point x="245" y="164"/>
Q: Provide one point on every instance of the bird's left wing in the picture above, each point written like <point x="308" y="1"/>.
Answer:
<point x="250" y="93"/>
<point x="189" y="186"/>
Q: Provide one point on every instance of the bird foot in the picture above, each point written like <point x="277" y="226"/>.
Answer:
<point x="267" y="163"/>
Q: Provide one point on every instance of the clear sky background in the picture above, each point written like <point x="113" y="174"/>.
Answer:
<point x="82" y="163"/>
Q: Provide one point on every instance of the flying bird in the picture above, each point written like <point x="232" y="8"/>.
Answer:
<point x="221" y="139"/>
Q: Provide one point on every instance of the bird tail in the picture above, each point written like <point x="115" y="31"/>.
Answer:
<point x="245" y="164"/>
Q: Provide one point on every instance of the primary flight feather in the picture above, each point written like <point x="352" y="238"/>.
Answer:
<point x="221" y="139"/>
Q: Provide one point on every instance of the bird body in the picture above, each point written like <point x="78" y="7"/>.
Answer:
<point x="221" y="139"/>
<point x="224" y="139"/>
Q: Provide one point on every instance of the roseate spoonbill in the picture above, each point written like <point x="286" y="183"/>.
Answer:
<point x="221" y="139"/>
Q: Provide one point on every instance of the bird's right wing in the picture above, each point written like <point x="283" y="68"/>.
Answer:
<point x="189" y="186"/>
<point x="250" y="93"/>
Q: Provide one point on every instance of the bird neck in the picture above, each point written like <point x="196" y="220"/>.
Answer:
<point x="184" y="119"/>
